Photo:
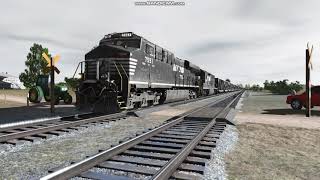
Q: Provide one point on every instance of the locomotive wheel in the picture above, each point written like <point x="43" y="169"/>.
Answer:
<point x="163" y="97"/>
<point x="144" y="102"/>
<point x="150" y="102"/>
<point x="137" y="105"/>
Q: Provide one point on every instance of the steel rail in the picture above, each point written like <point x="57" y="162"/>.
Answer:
<point x="39" y="130"/>
<point x="86" y="164"/>
<point x="17" y="135"/>
<point x="55" y="119"/>
<point x="172" y="165"/>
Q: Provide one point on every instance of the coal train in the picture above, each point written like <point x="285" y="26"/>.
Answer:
<point x="127" y="71"/>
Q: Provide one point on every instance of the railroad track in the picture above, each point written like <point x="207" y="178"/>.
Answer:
<point x="34" y="131"/>
<point x="177" y="149"/>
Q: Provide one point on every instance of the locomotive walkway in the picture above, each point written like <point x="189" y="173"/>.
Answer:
<point x="178" y="148"/>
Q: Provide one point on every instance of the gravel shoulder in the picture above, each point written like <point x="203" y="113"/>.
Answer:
<point x="216" y="167"/>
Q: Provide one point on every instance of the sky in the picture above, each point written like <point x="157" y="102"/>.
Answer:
<point x="246" y="41"/>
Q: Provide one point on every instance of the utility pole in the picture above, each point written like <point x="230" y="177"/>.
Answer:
<point x="308" y="83"/>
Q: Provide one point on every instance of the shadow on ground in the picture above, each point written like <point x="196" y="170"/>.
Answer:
<point x="266" y="94"/>
<point x="289" y="112"/>
<point x="40" y="111"/>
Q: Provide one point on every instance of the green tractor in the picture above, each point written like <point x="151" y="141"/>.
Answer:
<point x="42" y="90"/>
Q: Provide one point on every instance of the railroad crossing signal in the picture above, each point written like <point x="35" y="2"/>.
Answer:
<point x="53" y="68"/>
<point x="54" y="61"/>
<point x="310" y="55"/>
<point x="308" y="82"/>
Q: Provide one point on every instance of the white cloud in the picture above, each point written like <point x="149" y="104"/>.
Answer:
<point x="244" y="40"/>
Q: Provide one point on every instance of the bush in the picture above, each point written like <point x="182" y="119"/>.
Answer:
<point x="282" y="87"/>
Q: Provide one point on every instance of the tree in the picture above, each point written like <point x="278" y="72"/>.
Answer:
<point x="72" y="83"/>
<point x="61" y="84"/>
<point x="282" y="87"/>
<point x="35" y="64"/>
<point x="240" y="85"/>
<point x="266" y="84"/>
<point x="256" y="87"/>
<point x="247" y="86"/>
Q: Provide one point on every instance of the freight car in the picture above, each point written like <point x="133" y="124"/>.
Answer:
<point x="127" y="71"/>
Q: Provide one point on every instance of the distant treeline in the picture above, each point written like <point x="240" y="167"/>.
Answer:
<point x="279" y="87"/>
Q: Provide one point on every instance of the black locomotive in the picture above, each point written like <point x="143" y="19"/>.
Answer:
<point x="127" y="71"/>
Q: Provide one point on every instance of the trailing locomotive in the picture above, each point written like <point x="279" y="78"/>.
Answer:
<point x="127" y="71"/>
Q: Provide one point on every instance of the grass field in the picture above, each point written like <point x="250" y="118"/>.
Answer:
<point x="9" y="104"/>
<point x="267" y="103"/>
<point x="14" y="92"/>
<point x="267" y="151"/>
<point x="257" y="102"/>
<point x="271" y="152"/>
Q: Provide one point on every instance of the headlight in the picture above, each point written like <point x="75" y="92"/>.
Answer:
<point x="64" y="89"/>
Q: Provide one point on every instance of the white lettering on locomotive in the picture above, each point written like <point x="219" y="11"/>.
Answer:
<point x="178" y="68"/>
<point x="208" y="78"/>
<point x="148" y="60"/>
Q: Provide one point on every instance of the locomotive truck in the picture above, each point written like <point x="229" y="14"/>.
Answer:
<point x="127" y="71"/>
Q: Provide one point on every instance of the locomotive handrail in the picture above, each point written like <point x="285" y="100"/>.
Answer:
<point x="124" y="71"/>
<point x="119" y="75"/>
<point x="77" y="68"/>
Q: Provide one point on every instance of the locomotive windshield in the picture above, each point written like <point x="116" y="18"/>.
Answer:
<point x="133" y="43"/>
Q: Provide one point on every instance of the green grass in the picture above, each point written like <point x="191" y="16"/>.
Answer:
<point x="257" y="102"/>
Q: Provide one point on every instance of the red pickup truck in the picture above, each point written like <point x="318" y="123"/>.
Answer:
<point x="299" y="100"/>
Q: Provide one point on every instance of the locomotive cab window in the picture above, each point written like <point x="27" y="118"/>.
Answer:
<point x="170" y="58"/>
<point x="165" y="56"/>
<point x="131" y="43"/>
<point x="158" y="53"/>
<point x="149" y="50"/>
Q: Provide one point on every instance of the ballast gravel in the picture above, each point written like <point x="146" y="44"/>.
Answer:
<point x="215" y="167"/>
<point x="33" y="160"/>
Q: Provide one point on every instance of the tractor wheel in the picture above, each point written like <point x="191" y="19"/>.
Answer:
<point x="57" y="100"/>
<point x="67" y="99"/>
<point x="34" y="95"/>
<point x="47" y="98"/>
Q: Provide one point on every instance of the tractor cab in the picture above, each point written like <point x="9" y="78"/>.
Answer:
<point x="43" y="81"/>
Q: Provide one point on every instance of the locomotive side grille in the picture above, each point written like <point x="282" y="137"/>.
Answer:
<point x="127" y="65"/>
<point x="91" y="69"/>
